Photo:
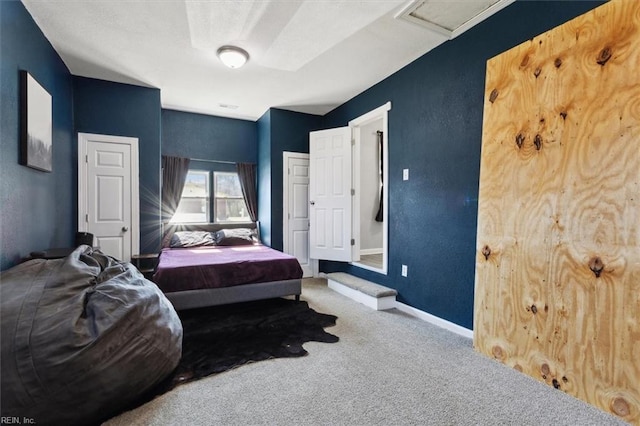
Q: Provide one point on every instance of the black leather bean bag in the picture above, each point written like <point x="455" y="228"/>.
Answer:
<point x="82" y="338"/>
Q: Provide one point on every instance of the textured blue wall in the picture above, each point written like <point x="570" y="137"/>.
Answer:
<point x="38" y="208"/>
<point x="278" y="131"/>
<point x="124" y="110"/>
<point x="289" y="132"/>
<point x="208" y="137"/>
<point x="435" y="130"/>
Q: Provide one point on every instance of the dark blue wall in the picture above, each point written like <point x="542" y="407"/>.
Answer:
<point x="124" y="110"/>
<point x="278" y="131"/>
<point x="289" y="132"/>
<point x="435" y="130"/>
<point x="208" y="137"/>
<point x="38" y="208"/>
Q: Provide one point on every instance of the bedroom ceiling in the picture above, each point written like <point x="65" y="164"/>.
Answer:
<point x="305" y="55"/>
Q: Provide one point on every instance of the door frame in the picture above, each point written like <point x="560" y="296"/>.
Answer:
<point x="83" y="141"/>
<point x="380" y="113"/>
<point x="286" y="156"/>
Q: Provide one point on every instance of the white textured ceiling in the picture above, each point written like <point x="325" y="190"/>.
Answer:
<point x="305" y="55"/>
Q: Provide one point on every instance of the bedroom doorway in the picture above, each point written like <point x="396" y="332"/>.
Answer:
<point x="370" y="172"/>
<point x="295" y="239"/>
<point x="348" y="199"/>
<point x="108" y="203"/>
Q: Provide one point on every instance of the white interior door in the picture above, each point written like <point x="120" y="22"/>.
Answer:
<point x="108" y="193"/>
<point x="296" y="209"/>
<point x="330" y="195"/>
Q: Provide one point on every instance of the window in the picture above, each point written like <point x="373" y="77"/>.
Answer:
<point x="195" y="201"/>
<point x="229" y="203"/>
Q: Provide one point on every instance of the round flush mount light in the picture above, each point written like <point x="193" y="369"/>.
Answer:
<point x="233" y="56"/>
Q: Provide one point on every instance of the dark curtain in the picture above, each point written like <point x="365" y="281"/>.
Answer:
<point x="380" y="214"/>
<point x="248" y="182"/>
<point x="174" y="175"/>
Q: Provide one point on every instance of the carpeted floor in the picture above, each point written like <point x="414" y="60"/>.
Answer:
<point x="220" y="338"/>
<point x="388" y="368"/>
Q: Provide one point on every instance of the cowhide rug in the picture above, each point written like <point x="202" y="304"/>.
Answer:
<point x="220" y="338"/>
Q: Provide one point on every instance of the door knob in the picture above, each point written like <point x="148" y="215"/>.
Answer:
<point x="125" y="229"/>
<point x="313" y="203"/>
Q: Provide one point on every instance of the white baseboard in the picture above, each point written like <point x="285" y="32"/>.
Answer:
<point x="455" y="328"/>
<point x="391" y="302"/>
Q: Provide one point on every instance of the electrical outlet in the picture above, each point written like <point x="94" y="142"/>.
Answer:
<point x="404" y="270"/>
<point x="405" y="174"/>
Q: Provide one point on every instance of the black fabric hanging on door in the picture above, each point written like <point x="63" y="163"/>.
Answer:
<point x="380" y="214"/>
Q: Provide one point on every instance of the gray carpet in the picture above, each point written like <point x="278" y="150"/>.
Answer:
<point x="388" y="368"/>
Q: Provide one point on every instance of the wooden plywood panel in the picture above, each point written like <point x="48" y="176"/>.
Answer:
<point x="558" y="258"/>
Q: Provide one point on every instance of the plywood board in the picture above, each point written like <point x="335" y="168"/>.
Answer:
<point x="558" y="249"/>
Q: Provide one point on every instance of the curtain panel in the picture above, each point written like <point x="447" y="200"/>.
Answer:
<point x="380" y="214"/>
<point x="174" y="175"/>
<point x="248" y="183"/>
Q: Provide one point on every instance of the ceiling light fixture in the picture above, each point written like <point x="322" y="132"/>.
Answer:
<point x="233" y="56"/>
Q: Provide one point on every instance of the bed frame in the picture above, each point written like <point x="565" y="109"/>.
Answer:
<point x="190" y="299"/>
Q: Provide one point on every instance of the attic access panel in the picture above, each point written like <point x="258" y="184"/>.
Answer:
<point x="450" y="18"/>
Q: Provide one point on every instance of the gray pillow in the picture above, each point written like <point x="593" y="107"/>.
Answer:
<point x="236" y="237"/>
<point x="192" y="239"/>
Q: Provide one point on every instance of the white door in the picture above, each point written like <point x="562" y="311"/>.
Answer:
<point x="330" y="195"/>
<point x="296" y="209"/>
<point x="108" y="193"/>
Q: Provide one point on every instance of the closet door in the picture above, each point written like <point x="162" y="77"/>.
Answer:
<point x="108" y="192"/>
<point x="296" y="209"/>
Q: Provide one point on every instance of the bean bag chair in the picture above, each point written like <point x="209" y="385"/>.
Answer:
<point x="83" y="337"/>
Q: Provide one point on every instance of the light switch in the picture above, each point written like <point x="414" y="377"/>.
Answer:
<point x="405" y="174"/>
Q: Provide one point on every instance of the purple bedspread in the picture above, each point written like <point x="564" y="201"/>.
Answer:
<point x="183" y="269"/>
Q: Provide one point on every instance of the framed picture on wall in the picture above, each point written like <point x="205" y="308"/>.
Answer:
<point x="36" y="124"/>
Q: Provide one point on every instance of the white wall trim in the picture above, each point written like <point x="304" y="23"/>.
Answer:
<point x="379" y="113"/>
<point x="455" y="328"/>
<point x="390" y="303"/>
<point x="371" y="115"/>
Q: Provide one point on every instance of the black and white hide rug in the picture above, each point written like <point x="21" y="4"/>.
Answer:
<point x="220" y="338"/>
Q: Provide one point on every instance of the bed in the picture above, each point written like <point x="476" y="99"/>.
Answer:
<point x="213" y="264"/>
